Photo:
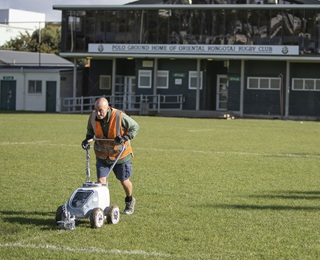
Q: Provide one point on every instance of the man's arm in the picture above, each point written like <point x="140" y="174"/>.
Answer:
<point x="90" y="133"/>
<point x="130" y="125"/>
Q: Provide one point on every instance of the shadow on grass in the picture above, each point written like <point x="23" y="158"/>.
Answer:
<point x="264" y="207"/>
<point x="282" y="195"/>
<point x="46" y="220"/>
<point x="35" y="218"/>
<point x="290" y="195"/>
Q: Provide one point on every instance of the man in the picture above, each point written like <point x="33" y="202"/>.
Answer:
<point x="106" y="122"/>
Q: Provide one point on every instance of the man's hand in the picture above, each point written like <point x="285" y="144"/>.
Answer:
<point x="121" y="139"/>
<point x="85" y="145"/>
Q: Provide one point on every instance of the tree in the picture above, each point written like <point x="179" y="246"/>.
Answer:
<point x="48" y="41"/>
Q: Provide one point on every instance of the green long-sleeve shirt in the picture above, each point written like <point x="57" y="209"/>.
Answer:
<point x="128" y="124"/>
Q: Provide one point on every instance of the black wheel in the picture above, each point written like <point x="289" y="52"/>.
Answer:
<point x="113" y="215"/>
<point x="59" y="213"/>
<point x="96" y="218"/>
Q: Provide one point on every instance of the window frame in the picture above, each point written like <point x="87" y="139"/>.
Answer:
<point x="36" y="86"/>
<point x="105" y="80"/>
<point x="192" y="75"/>
<point x="165" y="74"/>
<point x="304" y="88"/>
<point x="262" y="80"/>
<point x="148" y="73"/>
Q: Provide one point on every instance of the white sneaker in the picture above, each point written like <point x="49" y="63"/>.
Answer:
<point x="130" y="207"/>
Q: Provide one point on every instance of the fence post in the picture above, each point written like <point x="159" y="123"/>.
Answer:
<point x="81" y="101"/>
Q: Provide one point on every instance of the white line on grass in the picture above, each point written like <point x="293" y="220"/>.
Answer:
<point x="200" y="130"/>
<point x="47" y="143"/>
<point x="85" y="250"/>
<point x="178" y="150"/>
<point x="230" y="152"/>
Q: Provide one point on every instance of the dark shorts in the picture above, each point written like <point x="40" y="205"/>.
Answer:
<point x="122" y="171"/>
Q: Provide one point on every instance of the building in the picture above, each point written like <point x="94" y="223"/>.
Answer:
<point x="249" y="58"/>
<point x="32" y="81"/>
<point x="13" y="22"/>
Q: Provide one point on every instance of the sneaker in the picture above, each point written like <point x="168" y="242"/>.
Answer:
<point x="130" y="207"/>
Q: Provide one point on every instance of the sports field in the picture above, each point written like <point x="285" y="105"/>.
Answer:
<point x="205" y="189"/>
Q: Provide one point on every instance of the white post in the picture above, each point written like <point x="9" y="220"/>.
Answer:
<point x="74" y="89"/>
<point x="287" y="93"/>
<point x="198" y="85"/>
<point x="242" y="87"/>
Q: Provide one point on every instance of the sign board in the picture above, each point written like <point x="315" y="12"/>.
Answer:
<point x="198" y="49"/>
<point x="8" y="77"/>
<point x="178" y="81"/>
<point x="234" y="78"/>
<point x="179" y="75"/>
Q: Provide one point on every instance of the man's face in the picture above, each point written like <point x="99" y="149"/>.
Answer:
<point x="101" y="110"/>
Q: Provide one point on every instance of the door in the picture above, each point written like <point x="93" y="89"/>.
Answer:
<point x="8" y="94"/>
<point x="125" y="90"/>
<point x="222" y="92"/>
<point x="51" y="87"/>
<point x="130" y="91"/>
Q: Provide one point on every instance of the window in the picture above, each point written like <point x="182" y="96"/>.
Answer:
<point x="105" y="82"/>
<point x="145" y="77"/>
<point x="34" y="86"/>
<point x="163" y="79"/>
<point x="306" y="84"/>
<point x="74" y="23"/>
<point x="193" y="79"/>
<point x="263" y="83"/>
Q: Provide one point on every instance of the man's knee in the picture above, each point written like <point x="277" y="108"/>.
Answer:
<point x="102" y="180"/>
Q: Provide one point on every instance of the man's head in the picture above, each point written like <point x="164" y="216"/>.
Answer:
<point x="101" y="107"/>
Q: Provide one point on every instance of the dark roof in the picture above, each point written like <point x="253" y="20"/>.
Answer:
<point x="159" y="2"/>
<point x="21" y="58"/>
<point x="146" y="2"/>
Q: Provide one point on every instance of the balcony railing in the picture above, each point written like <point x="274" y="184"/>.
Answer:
<point x="142" y="104"/>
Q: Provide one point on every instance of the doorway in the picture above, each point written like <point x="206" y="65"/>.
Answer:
<point x="8" y="94"/>
<point x="51" y="87"/>
<point x="222" y="93"/>
<point x="125" y="90"/>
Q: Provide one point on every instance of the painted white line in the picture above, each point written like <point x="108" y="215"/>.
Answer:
<point x="23" y="143"/>
<point x="85" y="250"/>
<point x="230" y="153"/>
<point x="47" y="143"/>
<point x="200" y="130"/>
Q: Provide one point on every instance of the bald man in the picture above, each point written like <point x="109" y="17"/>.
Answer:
<point x="106" y="122"/>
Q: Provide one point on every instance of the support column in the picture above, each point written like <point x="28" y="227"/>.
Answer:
<point x="287" y="93"/>
<point x="113" y="77"/>
<point x="242" y="87"/>
<point x="155" y="73"/>
<point x="198" y="84"/>
<point x="74" y="84"/>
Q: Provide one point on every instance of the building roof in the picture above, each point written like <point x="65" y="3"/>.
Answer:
<point x="32" y="59"/>
<point x="146" y="2"/>
<point x="157" y="2"/>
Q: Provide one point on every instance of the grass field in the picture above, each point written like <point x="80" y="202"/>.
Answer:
<point x="205" y="189"/>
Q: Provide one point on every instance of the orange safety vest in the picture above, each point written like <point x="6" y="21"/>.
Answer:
<point x="110" y="149"/>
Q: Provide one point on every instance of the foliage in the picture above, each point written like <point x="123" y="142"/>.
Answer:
<point x="49" y="38"/>
<point x="205" y="189"/>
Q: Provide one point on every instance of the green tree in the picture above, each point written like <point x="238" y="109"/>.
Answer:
<point x="48" y="41"/>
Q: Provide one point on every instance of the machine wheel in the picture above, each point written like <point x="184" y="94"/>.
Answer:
<point x="59" y="213"/>
<point x="96" y="218"/>
<point x="113" y="215"/>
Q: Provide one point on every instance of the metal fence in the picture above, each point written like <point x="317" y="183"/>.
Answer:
<point x="142" y="104"/>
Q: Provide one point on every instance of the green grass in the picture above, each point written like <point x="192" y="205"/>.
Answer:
<point x="205" y="189"/>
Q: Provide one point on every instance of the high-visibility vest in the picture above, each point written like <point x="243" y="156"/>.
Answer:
<point x="110" y="149"/>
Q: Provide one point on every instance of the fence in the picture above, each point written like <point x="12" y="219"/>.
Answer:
<point x="143" y="104"/>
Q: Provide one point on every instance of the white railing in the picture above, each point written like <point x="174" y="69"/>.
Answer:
<point x="138" y="103"/>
